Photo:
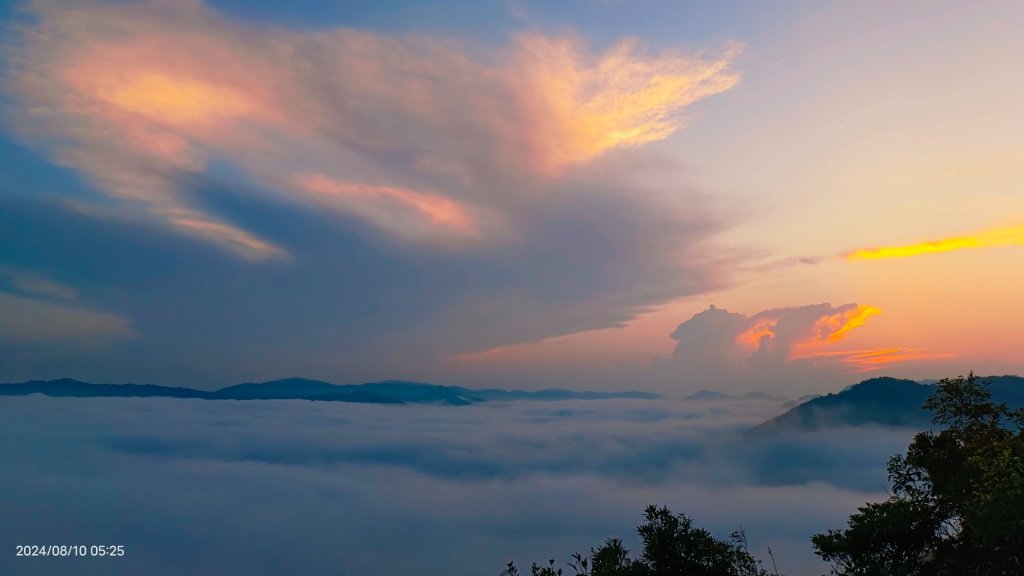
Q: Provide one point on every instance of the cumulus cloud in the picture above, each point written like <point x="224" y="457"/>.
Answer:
<point x="777" y="346"/>
<point x="205" y="487"/>
<point x="420" y="137"/>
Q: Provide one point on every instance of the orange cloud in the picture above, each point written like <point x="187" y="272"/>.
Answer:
<point x="752" y="337"/>
<point x="991" y="238"/>
<point x="836" y="326"/>
<point x="877" y="358"/>
<point x="832" y="328"/>
<point x="592" y="104"/>
<point x="177" y="101"/>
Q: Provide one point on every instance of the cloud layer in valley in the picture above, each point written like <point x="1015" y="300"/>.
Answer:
<point x="199" y="487"/>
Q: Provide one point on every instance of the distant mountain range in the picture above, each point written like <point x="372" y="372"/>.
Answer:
<point x="882" y="401"/>
<point x="387" y="392"/>
<point x="712" y="396"/>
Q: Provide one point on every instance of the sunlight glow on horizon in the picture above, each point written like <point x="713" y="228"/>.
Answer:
<point x="869" y="360"/>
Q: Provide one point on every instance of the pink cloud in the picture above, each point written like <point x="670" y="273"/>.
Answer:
<point x="134" y="96"/>
<point x="405" y="213"/>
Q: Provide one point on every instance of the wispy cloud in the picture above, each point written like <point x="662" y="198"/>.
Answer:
<point x="404" y="213"/>
<point x="584" y="104"/>
<point x="401" y="132"/>
<point x="33" y="321"/>
<point x="1013" y="236"/>
<point x="878" y="358"/>
<point x="32" y="283"/>
<point x="37" y="310"/>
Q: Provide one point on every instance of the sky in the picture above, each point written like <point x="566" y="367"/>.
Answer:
<point x="597" y="195"/>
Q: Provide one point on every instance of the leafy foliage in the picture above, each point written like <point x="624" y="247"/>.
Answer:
<point x="672" y="546"/>
<point x="957" y="503"/>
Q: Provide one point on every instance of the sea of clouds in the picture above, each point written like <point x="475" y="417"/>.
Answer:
<point x="297" y="487"/>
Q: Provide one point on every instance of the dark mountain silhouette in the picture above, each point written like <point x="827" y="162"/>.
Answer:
<point x="420" y="393"/>
<point x="280" y="389"/>
<point x="554" y="394"/>
<point x="302" y="389"/>
<point x="69" y="387"/>
<point x="387" y="392"/>
<point x="883" y="401"/>
<point x="408" y="392"/>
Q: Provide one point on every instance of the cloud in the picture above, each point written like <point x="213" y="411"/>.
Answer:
<point x="831" y="327"/>
<point x="382" y="200"/>
<point x="343" y="308"/>
<point x="876" y="358"/>
<point x="404" y="213"/>
<point x="265" y="487"/>
<point x="773" y="347"/>
<point x="34" y="284"/>
<point x="1013" y="236"/>
<point x="416" y="136"/>
<point x="31" y="321"/>
<point x="994" y="238"/>
<point x="586" y="105"/>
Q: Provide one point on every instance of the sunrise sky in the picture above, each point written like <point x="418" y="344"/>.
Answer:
<point x="586" y="194"/>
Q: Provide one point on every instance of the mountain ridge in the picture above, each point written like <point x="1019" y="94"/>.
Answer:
<point x="883" y="401"/>
<point x="382" y="392"/>
<point x="714" y="396"/>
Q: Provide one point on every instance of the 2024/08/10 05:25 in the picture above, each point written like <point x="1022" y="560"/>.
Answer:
<point x="64" y="550"/>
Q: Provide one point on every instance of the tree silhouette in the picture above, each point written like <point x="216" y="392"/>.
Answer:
<point x="672" y="546"/>
<point x="956" y="509"/>
<point x="957" y="503"/>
